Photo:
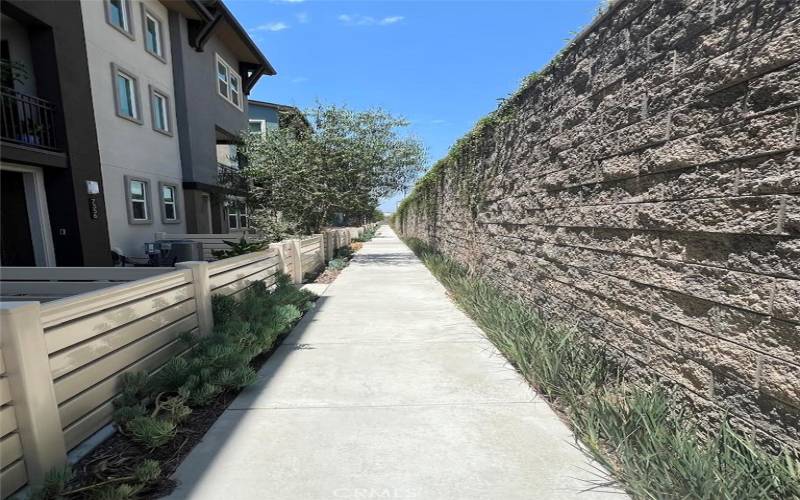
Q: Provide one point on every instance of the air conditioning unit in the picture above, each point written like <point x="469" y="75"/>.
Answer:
<point x="167" y="253"/>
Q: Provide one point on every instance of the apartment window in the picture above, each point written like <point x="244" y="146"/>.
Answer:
<point x="237" y="215"/>
<point x="229" y="83"/>
<point x="258" y="126"/>
<point x="126" y="94"/>
<point x="159" y="111"/>
<point x="118" y="15"/>
<point x="153" y="34"/>
<point x="235" y="94"/>
<point x="222" y="78"/>
<point x="169" y="203"/>
<point x="138" y="199"/>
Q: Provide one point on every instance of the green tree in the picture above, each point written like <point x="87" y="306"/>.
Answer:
<point x="345" y="163"/>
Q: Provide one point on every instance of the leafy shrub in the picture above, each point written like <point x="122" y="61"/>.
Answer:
<point x="150" y="408"/>
<point x="366" y="235"/>
<point x="240" y="247"/>
<point x="54" y="484"/>
<point x="149" y="431"/>
<point x="337" y="264"/>
<point x="344" y="253"/>
<point x="116" y="488"/>
<point x="640" y="434"/>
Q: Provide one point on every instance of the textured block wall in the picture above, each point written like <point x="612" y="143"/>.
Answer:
<point x="646" y="187"/>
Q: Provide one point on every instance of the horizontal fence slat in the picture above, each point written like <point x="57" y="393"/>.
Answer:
<point x="224" y="265"/>
<point x="209" y="236"/>
<point x="242" y="273"/>
<point x="73" y="358"/>
<point x="91" y="326"/>
<point x="51" y="288"/>
<point x="78" y="407"/>
<point x="29" y="298"/>
<point x="8" y="420"/>
<point x="13" y="478"/>
<point x="10" y="449"/>
<point x="88" y="425"/>
<point x="211" y="242"/>
<point x="59" y="311"/>
<point x="89" y="375"/>
<point x="311" y="241"/>
<point x="269" y="276"/>
<point x="80" y="273"/>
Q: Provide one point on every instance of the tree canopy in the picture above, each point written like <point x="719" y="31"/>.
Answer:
<point x="344" y="162"/>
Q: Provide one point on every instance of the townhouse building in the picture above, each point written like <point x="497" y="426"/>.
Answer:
<point x="216" y="64"/>
<point x="112" y="114"/>
<point x="52" y="197"/>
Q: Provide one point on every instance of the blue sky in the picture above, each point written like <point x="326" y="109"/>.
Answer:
<point x="440" y="64"/>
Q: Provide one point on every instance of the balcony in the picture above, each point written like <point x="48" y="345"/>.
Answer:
<point x="231" y="178"/>
<point x="27" y="120"/>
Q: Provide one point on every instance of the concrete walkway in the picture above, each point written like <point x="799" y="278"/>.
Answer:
<point x="387" y="390"/>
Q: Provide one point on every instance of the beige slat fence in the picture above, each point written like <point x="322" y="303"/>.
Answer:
<point x="69" y="334"/>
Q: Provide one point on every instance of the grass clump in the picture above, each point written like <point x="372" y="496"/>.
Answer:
<point x="643" y="435"/>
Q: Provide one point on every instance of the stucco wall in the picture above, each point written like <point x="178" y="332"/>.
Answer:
<point x="205" y="109"/>
<point x="261" y="112"/>
<point x="128" y="148"/>
<point x="645" y="187"/>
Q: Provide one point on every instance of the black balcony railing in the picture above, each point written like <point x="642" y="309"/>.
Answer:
<point x="231" y="178"/>
<point x="27" y="120"/>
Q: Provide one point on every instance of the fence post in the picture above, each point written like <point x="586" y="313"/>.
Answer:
<point x="202" y="294"/>
<point x="325" y="253"/>
<point x="32" y="393"/>
<point x="297" y="255"/>
<point x="321" y="252"/>
<point x="278" y="247"/>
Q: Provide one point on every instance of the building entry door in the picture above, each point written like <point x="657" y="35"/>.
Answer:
<point x="15" y="227"/>
<point x="25" y="238"/>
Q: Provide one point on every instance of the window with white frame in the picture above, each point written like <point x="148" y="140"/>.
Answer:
<point x="229" y="83"/>
<point x="159" y="109"/>
<point x="126" y="94"/>
<point x="235" y="91"/>
<point x="118" y="15"/>
<point x="237" y="215"/>
<point x="169" y="203"/>
<point x="258" y="126"/>
<point x="153" y="34"/>
<point x="138" y="199"/>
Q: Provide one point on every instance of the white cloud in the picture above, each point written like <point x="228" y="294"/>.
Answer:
<point x="302" y="17"/>
<point x="276" y="26"/>
<point x="390" y="20"/>
<point x="359" y="20"/>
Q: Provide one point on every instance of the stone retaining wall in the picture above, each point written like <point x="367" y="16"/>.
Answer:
<point x="645" y="186"/>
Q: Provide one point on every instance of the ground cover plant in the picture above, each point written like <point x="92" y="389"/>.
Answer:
<point x="159" y="417"/>
<point x="366" y="235"/>
<point x="340" y="260"/>
<point x="642" y="434"/>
